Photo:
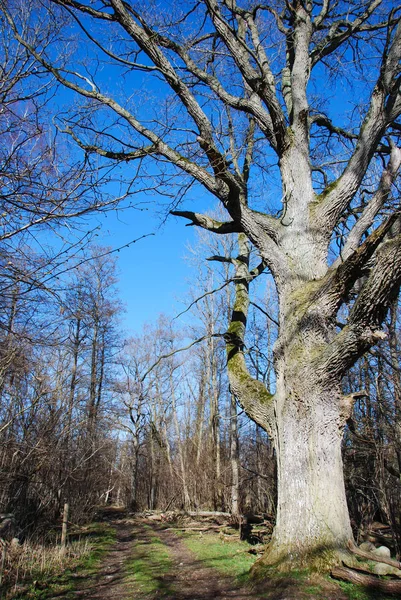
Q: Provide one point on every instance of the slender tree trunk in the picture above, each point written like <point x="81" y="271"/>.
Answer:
<point x="64" y="527"/>
<point x="200" y="417"/>
<point x="134" y="473"/>
<point x="153" y="480"/>
<point x="166" y="443"/>
<point x="100" y="377"/>
<point x="184" y="479"/>
<point x="234" y="456"/>
<point x="214" y="419"/>
<point x="259" y="469"/>
<point x="396" y="377"/>
<point x="93" y="378"/>
<point x="73" y="382"/>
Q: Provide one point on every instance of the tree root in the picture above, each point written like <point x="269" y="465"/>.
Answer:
<point x="373" y="557"/>
<point x="372" y="582"/>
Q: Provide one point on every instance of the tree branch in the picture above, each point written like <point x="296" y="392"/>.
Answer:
<point x="381" y="196"/>
<point x="251" y="394"/>
<point x="335" y="199"/>
<point x="217" y="188"/>
<point x="340" y="31"/>
<point x="363" y="329"/>
<point x="206" y="222"/>
<point x="261" y="82"/>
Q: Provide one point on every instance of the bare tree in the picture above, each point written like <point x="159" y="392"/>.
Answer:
<point x="241" y="105"/>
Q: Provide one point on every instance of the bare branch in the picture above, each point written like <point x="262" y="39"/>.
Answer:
<point x="206" y="222"/>
<point x="264" y="87"/>
<point x="364" y="325"/>
<point x="376" y="203"/>
<point x="337" y="196"/>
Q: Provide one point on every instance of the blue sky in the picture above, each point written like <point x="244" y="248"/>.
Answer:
<point x="153" y="273"/>
<point x="154" y="276"/>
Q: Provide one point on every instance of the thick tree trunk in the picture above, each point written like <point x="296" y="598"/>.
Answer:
<point x="312" y="516"/>
<point x="313" y="525"/>
<point x="305" y="420"/>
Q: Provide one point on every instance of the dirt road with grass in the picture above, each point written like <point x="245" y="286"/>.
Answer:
<point x="151" y="560"/>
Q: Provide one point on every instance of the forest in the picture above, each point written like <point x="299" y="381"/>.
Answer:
<point x="265" y="413"/>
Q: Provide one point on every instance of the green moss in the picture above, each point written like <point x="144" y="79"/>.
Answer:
<point x="238" y="369"/>
<point x="328" y="189"/>
<point x="302" y="298"/>
<point x="290" y="135"/>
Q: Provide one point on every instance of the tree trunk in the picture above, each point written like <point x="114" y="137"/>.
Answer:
<point x="234" y="456"/>
<point x="312" y="515"/>
<point x="152" y="475"/>
<point x="313" y="525"/>
<point x="305" y="420"/>
<point x="185" y="494"/>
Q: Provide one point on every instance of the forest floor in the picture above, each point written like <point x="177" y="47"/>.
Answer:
<point x="125" y="556"/>
<point x="152" y="560"/>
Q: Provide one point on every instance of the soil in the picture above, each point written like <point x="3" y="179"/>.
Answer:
<point x="110" y="583"/>
<point x="188" y="579"/>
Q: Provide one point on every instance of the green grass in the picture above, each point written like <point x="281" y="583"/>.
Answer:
<point x="229" y="557"/>
<point x="358" y="592"/>
<point x="149" y="563"/>
<point x="39" y="572"/>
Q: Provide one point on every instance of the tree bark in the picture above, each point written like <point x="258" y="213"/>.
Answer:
<point x="312" y="515"/>
<point x="64" y="527"/>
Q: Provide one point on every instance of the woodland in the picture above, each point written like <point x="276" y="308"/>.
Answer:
<point x="276" y="392"/>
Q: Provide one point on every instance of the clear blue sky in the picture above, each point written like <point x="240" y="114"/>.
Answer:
<point x="153" y="273"/>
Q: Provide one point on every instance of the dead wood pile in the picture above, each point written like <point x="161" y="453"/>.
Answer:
<point x="256" y="529"/>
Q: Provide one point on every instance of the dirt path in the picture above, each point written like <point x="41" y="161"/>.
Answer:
<point x="191" y="580"/>
<point x="187" y="579"/>
<point x="109" y="583"/>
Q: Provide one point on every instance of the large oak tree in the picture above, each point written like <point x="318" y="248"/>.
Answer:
<point x="233" y="96"/>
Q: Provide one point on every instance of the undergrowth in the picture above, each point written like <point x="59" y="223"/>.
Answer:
<point x="34" y="570"/>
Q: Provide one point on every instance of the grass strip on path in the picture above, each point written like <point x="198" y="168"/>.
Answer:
<point x="229" y="557"/>
<point x="149" y="564"/>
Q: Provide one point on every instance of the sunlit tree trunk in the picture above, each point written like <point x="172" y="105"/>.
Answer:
<point x="180" y="450"/>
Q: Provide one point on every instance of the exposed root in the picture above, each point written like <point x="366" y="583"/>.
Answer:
<point x="320" y="559"/>
<point x="373" y="557"/>
<point x="372" y="582"/>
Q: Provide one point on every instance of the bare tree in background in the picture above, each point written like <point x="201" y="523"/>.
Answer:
<point x="242" y="113"/>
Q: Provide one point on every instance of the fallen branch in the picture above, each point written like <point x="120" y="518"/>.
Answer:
<point x="371" y="556"/>
<point x="200" y="529"/>
<point x="369" y="581"/>
<point x="206" y="513"/>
